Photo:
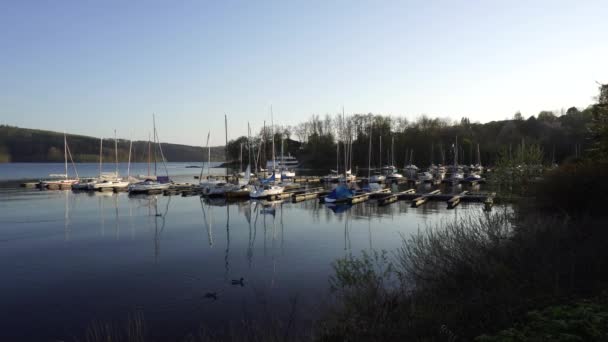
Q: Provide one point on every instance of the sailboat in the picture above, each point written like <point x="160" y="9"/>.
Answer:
<point x="61" y="180"/>
<point x="285" y="171"/>
<point x="342" y="192"/>
<point x="411" y="170"/>
<point x="156" y="183"/>
<point x="371" y="186"/>
<point x="87" y="183"/>
<point x="211" y="186"/>
<point x="111" y="181"/>
<point x="267" y="187"/>
<point x="378" y="177"/>
<point x="455" y="174"/>
<point x="391" y="170"/>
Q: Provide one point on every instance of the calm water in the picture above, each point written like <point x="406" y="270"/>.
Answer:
<point x="70" y="258"/>
<point x="20" y="171"/>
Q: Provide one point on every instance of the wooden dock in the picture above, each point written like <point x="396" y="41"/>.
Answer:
<point x="392" y="198"/>
<point x="418" y="201"/>
<point x="455" y="200"/>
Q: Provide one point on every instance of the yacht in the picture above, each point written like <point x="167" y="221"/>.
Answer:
<point x="287" y="162"/>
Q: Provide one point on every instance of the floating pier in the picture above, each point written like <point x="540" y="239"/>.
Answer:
<point x="386" y="200"/>
<point x="418" y="201"/>
<point x="455" y="201"/>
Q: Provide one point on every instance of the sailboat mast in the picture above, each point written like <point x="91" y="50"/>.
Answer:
<point x="226" y="146"/>
<point x="344" y="131"/>
<point x="282" y="161"/>
<point x="65" y="154"/>
<point x="248" y="145"/>
<point x="154" y="137"/>
<point x="116" y="152"/>
<point x="380" y="154"/>
<point x="393" y="150"/>
<point x="149" y="153"/>
<point x="129" y="164"/>
<point x="456" y="153"/>
<point x="369" y="155"/>
<point x="100" y="154"/>
<point x="241" y="159"/>
<point x="337" y="156"/>
<point x="272" y="131"/>
<point x="208" y="155"/>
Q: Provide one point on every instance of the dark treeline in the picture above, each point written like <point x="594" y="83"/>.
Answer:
<point x="560" y="135"/>
<point x="31" y="145"/>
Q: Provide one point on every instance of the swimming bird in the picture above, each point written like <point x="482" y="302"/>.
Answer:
<point x="211" y="295"/>
<point x="238" y="282"/>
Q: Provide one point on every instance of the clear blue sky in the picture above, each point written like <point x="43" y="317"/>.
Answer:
<point x="91" y="66"/>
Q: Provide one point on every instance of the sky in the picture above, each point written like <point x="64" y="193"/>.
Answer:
<point x="89" y="67"/>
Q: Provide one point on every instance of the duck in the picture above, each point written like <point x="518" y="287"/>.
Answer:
<point x="238" y="282"/>
<point x="211" y="295"/>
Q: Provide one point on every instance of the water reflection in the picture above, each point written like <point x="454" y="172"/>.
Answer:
<point x="279" y="247"/>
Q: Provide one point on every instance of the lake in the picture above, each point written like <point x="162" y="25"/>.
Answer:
<point x="70" y="258"/>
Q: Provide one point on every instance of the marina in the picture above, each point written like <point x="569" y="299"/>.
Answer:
<point x="111" y="245"/>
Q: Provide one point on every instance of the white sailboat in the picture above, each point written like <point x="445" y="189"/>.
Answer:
<point x="111" y="181"/>
<point x="62" y="180"/>
<point x="157" y="183"/>
<point x="391" y="170"/>
<point x="267" y="187"/>
<point x="283" y="168"/>
<point x="87" y="183"/>
<point x="212" y="186"/>
<point x="378" y="177"/>
<point x="371" y="186"/>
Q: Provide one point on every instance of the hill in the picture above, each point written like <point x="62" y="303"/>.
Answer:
<point x="33" y="145"/>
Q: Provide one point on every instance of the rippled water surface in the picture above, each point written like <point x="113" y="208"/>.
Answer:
<point x="69" y="258"/>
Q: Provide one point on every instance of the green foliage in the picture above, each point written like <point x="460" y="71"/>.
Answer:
<point x="598" y="127"/>
<point x="517" y="168"/>
<point x="582" y="321"/>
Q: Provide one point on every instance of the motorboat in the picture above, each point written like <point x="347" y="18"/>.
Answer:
<point x="287" y="162"/>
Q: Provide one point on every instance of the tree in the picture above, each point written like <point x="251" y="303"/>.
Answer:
<point x="598" y="129"/>
<point x="518" y="116"/>
<point x="572" y="111"/>
<point x="547" y="116"/>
